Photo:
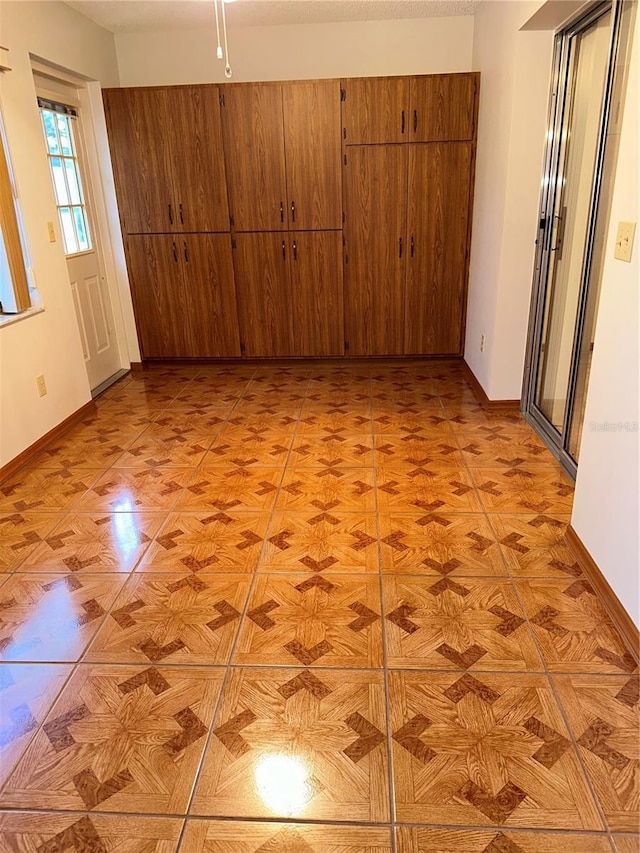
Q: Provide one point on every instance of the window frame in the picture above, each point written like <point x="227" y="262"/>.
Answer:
<point x="10" y="229"/>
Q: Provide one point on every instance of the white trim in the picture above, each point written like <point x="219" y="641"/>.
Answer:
<point x="10" y="319"/>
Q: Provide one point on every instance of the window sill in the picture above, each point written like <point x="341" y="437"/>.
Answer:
<point x="9" y="319"/>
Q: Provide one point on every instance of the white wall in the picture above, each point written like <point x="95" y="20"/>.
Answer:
<point x="305" y="51"/>
<point x="606" y="510"/>
<point x="47" y="343"/>
<point x="515" y="71"/>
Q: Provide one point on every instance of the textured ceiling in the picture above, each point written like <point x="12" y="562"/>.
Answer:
<point x="130" y="15"/>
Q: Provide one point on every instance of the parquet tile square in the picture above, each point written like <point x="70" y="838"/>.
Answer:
<point x="524" y="489"/>
<point x="349" y="424"/>
<point x="35" y="489"/>
<point x="195" y="423"/>
<point x="95" y="542"/>
<point x="343" y="490"/>
<point x="438" y="543"/>
<point x="213" y="836"/>
<point x="89" y="452"/>
<point x="572" y="629"/>
<point x="499" y="447"/>
<point x="425" y="489"/>
<point x="235" y="488"/>
<point x="53" y="617"/>
<point x="291" y="743"/>
<point x="26" y="694"/>
<point x="96" y="833"/>
<point x="321" y="542"/>
<point x="604" y="716"/>
<point x="259" y="451"/>
<point x="333" y="450"/>
<point x="429" y="423"/>
<point x="119" y="739"/>
<point x="436" y="840"/>
<point x="20" y="534"/>
<point x="626" y="843"/>
<point x="179" y="451"/>
<point x="208" y="541"/>
<point x="417" y="450"/>
<point x="294" y="619"/>
<point x="485" y="750"/>
<point x="534" y="545"/>
<point x="132" y="489"/>
<point x="457" y="623"/>
<point x="172" y="618"/>
<point x="243" y="424"/>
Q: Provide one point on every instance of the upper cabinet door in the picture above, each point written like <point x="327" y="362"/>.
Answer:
<point x="376" y="110"/>
<point x="254" y="147"/>
<point x="197" y="159"/>
<point x="137" y="124"/>
<point x="438" y="229"/>
<point x="443" y="107"/>
<point x="313" y="149"/>
<point x="376" y="207"/>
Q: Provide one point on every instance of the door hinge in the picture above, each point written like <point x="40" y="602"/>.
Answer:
<point x="345" y="159"/>
<point x="346" y="259"/>
<point x="234" y="245"/>
<point x="346" y="346"/>
<point x="343" y="94"/>
<point x="242" y="348"/>
<point x="343" y="218"/>
<point x="231" y="221"/>
<point x="344" y="132"/>
<point x="221" y="99"/>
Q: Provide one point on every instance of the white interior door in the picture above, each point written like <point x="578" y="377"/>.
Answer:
<point x="64" y="141"/>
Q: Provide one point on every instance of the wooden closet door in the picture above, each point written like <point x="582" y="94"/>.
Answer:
<point x="157" y="288"/>
<point x="261" y="262"/>
<point x="376" y="204"/>
<point x="313" y="153"/>
<point x="254" y="147"/>
<point x="376" y="110"/>
<point x="316" y="292"/>
<point x="137" y="126"/>
<point x="438" y="223"/>
<point x="443" y="107"/>
<point x="210" y="295"/>
<point x="197" y="159"/>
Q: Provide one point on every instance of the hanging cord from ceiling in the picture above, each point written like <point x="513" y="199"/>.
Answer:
<point x="220" y="53"/>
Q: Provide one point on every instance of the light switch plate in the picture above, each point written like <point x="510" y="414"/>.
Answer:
<point x="624" y="241"/>
<point x="51" y="231"/>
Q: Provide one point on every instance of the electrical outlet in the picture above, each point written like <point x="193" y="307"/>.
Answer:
<point x="624" y="241"/>
<point x="51" y="231"/>
<point x="42" y="385"/>
<point x="481" y="343"/>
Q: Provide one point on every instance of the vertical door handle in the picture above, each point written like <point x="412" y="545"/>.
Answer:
<point x="170" y="213"/>
<point x="186" y="253"/>
<point x="402" y="129"/>
<point x="295" y="251"/>
<point x="281" y="212"/>
<point x="412" y="245"/>
<point x="181" y="216"/>
<point x="175" y="253"/>
<point x="293" y="211"/>
<point x="400" y="247"/>
<point x="415" y="121"/>
<point x="284" y="252"/>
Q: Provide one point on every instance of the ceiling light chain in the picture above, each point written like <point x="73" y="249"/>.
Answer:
<point x="219" y="52"/>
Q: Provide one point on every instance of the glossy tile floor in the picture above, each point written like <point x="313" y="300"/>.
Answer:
<point x="306" y="609"/>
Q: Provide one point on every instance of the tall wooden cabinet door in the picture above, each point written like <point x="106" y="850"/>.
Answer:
<point x="316" y="292"/>
<point x="443" y="106"/>
<point x="376" y="110"/>
<point x="137" y="122"/>
<point x="261" y="262"/>
<point x="313" y="153"/>
<point x="157" y="288"/>
<point x="375" y="259"/>
<point x="210" y="295"/>
<point x="197" y="159"/>
<point x="437" y="226"/>
<point x="254" y="147"/>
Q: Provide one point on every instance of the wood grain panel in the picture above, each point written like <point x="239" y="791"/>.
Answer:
<point x="197" y="159"/>
<point x="313" y="150"/>
<point x="373" y="110"/>
<point x="264" y="294"/>
<point x="210" y="296"/>
<point x="137" y="124"/>
<point x="443" y="107"/>
<point x="376" y="193"/>
<point x="157" y="289"/>
<point x="316" y="289"/>
<point x="438" y="225"/>
<point x="254" y="146"/>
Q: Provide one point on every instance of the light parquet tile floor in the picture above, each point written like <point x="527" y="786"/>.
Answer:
<point x="311" y="609"/>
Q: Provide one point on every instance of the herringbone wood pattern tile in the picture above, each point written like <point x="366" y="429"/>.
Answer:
<point x="299" y="608"/>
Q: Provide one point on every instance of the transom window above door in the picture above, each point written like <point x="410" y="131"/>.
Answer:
<point x="62" y="153"/>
